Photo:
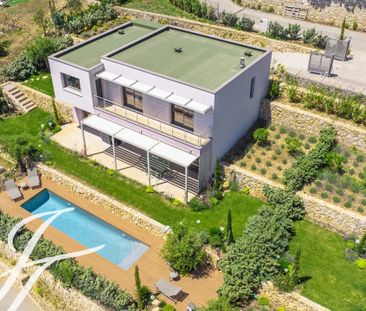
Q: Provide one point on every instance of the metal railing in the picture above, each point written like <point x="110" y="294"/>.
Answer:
<point x="152" y="123"/>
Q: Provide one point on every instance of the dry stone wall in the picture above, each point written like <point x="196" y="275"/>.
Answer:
<point x="105" y="202"/>
<point x="310" y="123"/>
<point x="318" y="211"/>
<point x="44" y="102"/>
<point x="291" y="301"/>
<point x="57" y="297"/>
<point x="214" y="30"/>
<point x="319" y="11"/>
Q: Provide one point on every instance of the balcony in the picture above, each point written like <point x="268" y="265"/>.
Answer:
<point x="152" y="123"/>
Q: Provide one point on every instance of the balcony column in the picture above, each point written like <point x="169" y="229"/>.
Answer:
<point x="186" y="186"/>
<point x="114" y="153"/>
<point x="148" y="166"/>
<point x="83" y="134"/>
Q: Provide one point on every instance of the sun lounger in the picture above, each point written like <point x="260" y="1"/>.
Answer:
<point x="33" y="178"/>
<point x="169" y="290"/>
<point x="12" y="189"/>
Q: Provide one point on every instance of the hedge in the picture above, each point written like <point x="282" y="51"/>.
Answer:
<point x="254" y="256"/>
<point x="68" y="271"/>
<point x="307" y="166"/>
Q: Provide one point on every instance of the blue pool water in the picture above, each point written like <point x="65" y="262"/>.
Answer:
<point x="90" y="231"/>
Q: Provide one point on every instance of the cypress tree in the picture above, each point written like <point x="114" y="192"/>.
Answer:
<point x="229" y="229"/>
<point x="343" y="28"/>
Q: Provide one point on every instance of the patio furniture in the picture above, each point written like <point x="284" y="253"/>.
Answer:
<point x="33" y="178"/>
<point x="191" y="307"/>
<point x="320" y="64"/>
<point x="12" y="189"/>
<point x="173" y="275"/>
<point x="169" y="290"/>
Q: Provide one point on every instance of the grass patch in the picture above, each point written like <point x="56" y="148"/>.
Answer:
<point x="15" y="2"/>
<point x="334" y="282"/>
<point x="125" y="190"/>
<point x="41" y="82"/>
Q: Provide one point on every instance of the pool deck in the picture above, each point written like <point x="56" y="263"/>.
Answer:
<point x="199" y="289"/>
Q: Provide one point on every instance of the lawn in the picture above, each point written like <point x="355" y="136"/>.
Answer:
<point x="14" y="2"/>
<point x="334" y="282"/>
<point x="41" y="82"/>
<point x="125" y="190"/>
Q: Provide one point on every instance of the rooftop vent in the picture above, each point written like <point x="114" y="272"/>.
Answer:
<point x="121" y="32"/>
<point x="178" y="50"/>
<point x="248" y="53"/>
<point x="242" y="62"/>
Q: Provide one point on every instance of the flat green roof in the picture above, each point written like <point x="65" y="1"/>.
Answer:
<point x="204" y="61"/>
<point x="88" y="55"/>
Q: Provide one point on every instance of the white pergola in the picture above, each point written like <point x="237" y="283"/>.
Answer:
<point x="150" y="145"/>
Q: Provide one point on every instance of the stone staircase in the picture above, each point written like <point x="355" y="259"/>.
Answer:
<point x="17" y="98"/>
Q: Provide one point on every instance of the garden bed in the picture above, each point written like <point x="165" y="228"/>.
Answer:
<point x="345" y="188"/>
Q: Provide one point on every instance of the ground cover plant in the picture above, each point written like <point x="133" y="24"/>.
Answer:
<point x="106" y="181"/>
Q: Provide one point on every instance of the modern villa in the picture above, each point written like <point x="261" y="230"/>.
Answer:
<point x="167" y="100"/>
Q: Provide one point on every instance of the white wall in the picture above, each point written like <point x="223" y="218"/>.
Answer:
<point x="234" y="111"/>
<point x="157" y="108"/>
<point x="85" y="99"/>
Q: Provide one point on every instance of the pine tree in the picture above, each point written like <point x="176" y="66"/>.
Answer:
<point x="229" y="229"/>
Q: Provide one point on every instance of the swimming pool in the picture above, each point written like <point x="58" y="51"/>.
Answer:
<point x="90" y="231"/>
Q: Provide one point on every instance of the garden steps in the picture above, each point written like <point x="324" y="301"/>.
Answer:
<point x="17" y="98"/>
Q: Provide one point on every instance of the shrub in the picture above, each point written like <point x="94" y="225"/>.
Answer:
<point x="246" y="24"/>
<point x="360" y="158"/>
<point x="229" y="229"/>
<point x="261" y="135"/>
<point x="263" y="301"/>
<point x="274" y="176"/>
<point x="307" y="166"/>
<point x="197" y="205"/>
<point x="293" y="146"/>
<point x="336" y="199"/>
<point x="274" y="90"/>
<point x="272" y="127"/>
<point x="289" y="278"/>
<point x="228" y="19"/>
<point x="292" y="32"/>
<point x="276" y="31"/>
<point x="253" y="167"/>
<point x="243" y="164"/>
<point x="168" y="308"/>
<point x="348" y="204"/>
<point x="278" y="151"/>
<point x="216" y="237"/>
<point x="324" y="195"/>
<point x="293" y="94"/>
<point x="277" y="136"/>
<point x="263" y="171"/>
<point x="361" y="249"/>
<point x="320" y="41"/>
<point x="312" y="140"/>
<point x="361" y="263"/>
<point x="150" y="189"/>
<point x="283" y="130"/>
<point x="309" y="35"/>
<point x="183" y="250"/>
<point x="219" y="304"/>
<point x="258" y="160"/>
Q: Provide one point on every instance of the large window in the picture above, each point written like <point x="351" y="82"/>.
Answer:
<point x="71" y="82"/>
<point x="133" y="99"/>
<point x="183" y="117"/>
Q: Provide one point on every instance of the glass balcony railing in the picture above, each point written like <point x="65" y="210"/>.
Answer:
<point x="152" y="123"/>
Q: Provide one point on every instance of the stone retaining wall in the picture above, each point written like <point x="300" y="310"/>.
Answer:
<point x="219" y="31"/>
<point x="57" y="297"/>
<point x="104" y="201"/>
<point x="44" y="102"/>
<point x="327" y="12"/>
<point x="318" y="211"/>
<point x="291" y="301"/>
<point x="310" y="123"/>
